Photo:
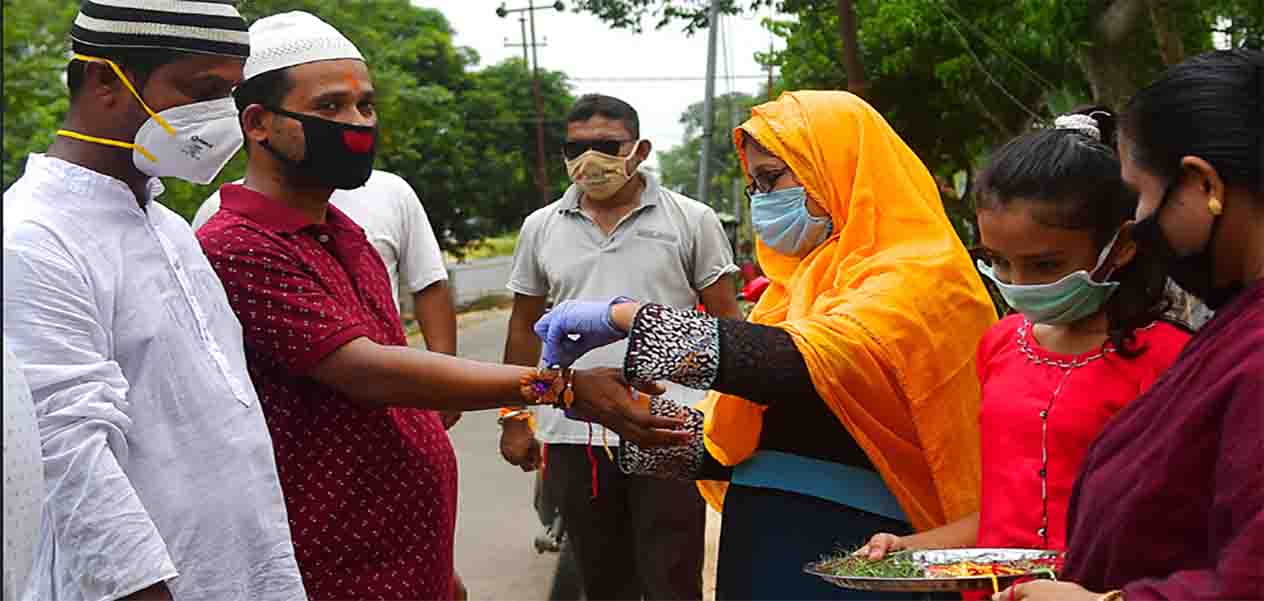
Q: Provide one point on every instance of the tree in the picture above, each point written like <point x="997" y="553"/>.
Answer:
<point x="957" y="78"/>
<point x="463" y="138"/>
<point x="35" y="50"/>
<point x="848" y="33"/>
<point x="679" y="164"/>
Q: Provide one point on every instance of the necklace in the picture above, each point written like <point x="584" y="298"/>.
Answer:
<point x="1067" y="367"/>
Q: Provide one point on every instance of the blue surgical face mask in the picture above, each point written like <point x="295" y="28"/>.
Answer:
<point x="1067" y="300"/>
<point x="782" y="221"/>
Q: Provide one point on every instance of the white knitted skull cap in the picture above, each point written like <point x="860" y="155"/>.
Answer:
<point x="294" y="38"/>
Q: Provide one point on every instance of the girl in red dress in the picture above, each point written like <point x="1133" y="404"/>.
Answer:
<point x="1085" y="339"/>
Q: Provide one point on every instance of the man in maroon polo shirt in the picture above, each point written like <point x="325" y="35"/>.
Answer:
<point x="366" y="467"/>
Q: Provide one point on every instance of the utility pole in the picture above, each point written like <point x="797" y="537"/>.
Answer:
<point x="541" y="177"/>
<point x="847" y="31"/>
<point x="739" y="195"/>
<point x="540" y="173"/>
<point x="770" y="67"/>
<point x="708" y="103"/>
<point x="526" y="58"/>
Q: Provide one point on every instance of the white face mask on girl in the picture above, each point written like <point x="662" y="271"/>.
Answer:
<point x="191" y="142"/>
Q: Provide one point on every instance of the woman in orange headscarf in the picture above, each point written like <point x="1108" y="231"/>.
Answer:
<point x="850" y="398"/>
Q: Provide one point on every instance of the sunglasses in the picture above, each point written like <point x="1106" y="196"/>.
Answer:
<point x="573" y="149"/>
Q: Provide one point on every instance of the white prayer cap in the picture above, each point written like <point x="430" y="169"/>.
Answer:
<point x="294" y="38"/>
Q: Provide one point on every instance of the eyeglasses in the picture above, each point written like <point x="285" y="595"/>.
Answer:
<point x="763" y="183"/>
<point x="572" y="149"/>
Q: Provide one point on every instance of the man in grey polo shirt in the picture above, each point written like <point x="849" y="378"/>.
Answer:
<point x="615" y="232"/>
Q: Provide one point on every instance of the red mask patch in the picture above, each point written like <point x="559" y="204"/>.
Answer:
<point x="359" y="142"/>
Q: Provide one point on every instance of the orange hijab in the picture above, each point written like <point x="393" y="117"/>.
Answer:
<point x="887" y="312"/>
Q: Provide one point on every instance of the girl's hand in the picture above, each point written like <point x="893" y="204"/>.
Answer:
<point x="880" y="545"/>
<point x="1046" y="590"/>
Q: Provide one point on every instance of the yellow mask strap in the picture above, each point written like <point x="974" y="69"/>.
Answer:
<point x="86" y="138"/>
<point x="130" y="88"/>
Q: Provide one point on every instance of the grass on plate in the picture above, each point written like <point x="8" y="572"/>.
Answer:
<point x="895" y="565"/>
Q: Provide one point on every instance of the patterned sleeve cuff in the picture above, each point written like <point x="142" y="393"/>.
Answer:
<point x="674" y="345"/>
<point x="673" y="463"/>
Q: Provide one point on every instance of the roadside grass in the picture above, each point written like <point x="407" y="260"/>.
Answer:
<point x="487" y="248"/>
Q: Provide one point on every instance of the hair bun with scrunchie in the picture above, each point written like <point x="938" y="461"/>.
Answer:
<point x="1094" y="122"/>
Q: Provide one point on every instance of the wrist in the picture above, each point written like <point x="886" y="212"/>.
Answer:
<point x="916" y="542"/>
<point x="518" y="420"/>
<point x="622" y="315"/>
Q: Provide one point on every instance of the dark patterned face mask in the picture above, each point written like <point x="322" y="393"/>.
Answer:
<point x="338" y="155"/>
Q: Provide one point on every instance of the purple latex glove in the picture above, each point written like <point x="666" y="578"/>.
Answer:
<point x="573" y="328"/>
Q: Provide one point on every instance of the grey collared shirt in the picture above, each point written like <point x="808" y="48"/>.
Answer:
<point x="664" y="251"/>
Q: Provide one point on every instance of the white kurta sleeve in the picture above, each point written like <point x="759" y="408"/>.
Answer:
<point x="104" y="538"/>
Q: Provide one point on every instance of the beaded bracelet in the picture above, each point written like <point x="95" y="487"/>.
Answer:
<point x="568" y="391"/>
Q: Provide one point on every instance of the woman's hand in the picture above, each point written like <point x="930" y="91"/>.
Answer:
<point x="603" y="396"/>
<point x="880" y="545"/>
<point x="573" y="328"/>
<point x="1046" y="590"/>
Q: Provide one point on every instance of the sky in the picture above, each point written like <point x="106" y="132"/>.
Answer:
<point x="587" y="50"/>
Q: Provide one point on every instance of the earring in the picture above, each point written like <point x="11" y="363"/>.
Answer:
<point x="1215" y="207"/>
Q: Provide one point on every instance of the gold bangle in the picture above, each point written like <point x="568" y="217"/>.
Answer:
<point x="1115" y="595"/>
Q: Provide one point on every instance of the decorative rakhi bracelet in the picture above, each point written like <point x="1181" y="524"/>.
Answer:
<point x="549" y="387"/>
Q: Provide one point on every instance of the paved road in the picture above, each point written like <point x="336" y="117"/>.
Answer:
<point x="495" y="519"/>
<point x="479" y="278"/>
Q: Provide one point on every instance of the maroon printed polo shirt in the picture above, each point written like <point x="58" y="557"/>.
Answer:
<point x="371" y="493"/>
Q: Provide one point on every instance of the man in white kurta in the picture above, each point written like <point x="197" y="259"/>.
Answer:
<point x="158" y="463"/>
<point x="159" y="472"/>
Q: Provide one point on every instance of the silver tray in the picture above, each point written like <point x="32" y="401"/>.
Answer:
<point x="939" y="557"/>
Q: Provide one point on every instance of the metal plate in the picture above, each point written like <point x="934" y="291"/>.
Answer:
<point x="941" y="557"/>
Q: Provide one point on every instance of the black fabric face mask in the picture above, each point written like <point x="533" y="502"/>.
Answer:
<point x="338" y="155"/>
<point x="1195" y="273"/>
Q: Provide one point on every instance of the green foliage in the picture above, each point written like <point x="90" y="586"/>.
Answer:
<point x="35" y="56"/>
<point x="679" y="164"/>
<point x="489" y="248"/>
<point x="630" y="14"/>
<point x="959" y="77"/>
<point x="463" y="138"/>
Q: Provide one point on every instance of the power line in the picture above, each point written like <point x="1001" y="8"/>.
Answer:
<point x="650" y="78"/>
<point x="1001" y="49"/>
<point x="966" y="42"/>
